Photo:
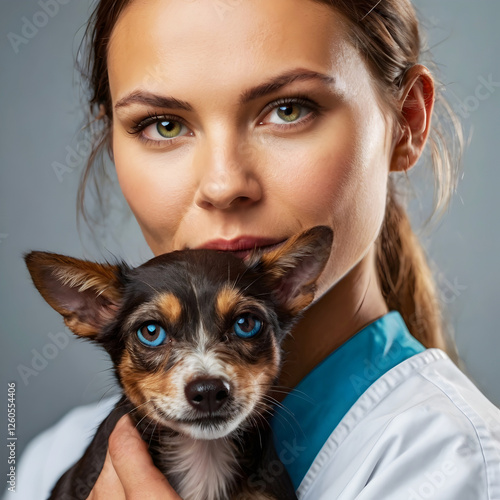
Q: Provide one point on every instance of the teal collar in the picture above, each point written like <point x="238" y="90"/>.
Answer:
<point x="312" y="410"/>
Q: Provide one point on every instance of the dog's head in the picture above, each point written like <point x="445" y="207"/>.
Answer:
<point x="194" y="335"/>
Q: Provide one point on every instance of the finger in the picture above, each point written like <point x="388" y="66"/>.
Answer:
<point x="134" y="466"/>
<point x="108" y="484"/>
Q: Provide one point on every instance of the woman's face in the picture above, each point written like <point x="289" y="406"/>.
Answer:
<point x="265" y="123"/>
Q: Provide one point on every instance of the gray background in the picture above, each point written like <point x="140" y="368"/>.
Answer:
<point x="39" y="120"/>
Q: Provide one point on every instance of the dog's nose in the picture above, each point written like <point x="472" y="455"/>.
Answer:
<point x="207" y="395"/>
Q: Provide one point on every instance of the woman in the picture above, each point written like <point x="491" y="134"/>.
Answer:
<point x="247" y="122"/>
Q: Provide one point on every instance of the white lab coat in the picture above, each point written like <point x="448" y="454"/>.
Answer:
<point x="421" y="431"/>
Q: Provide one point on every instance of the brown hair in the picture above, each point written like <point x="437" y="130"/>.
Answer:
<point x="386" y="32"/>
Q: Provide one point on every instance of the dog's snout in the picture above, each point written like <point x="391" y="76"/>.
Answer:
<point x="207" y="395"/>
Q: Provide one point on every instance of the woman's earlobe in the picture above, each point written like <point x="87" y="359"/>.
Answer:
<point x="404" y="155"/>
<point x="417" y="104"/>
<point x="102" y="112"/>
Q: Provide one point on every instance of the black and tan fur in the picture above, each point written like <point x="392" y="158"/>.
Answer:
<point x="195" y="296"/>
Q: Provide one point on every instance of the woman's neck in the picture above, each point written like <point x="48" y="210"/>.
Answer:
<point x="353" y="303"/>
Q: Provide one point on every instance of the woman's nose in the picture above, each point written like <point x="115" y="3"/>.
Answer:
<point x="227" y="178"/>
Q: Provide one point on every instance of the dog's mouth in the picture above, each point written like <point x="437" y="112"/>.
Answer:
<point x="205" y="422"/>
<point x="208" y="420"/>
<point x="206" y="427"/>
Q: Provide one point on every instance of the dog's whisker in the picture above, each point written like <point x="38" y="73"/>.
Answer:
<point x="282" y="420"/>
<point x="152" y="434"/>
<point x="148" y="284"/>
<point x="266" y="410"/>
<point x="274" y="401"/>
<point x="302" y="396"/>
<point x="288" y="425"/>
<point x="147" y="426"/>
<point x="284" y="387"/>
<point x="288" y="391"/>
<point x="285" y="409"/>
<point x="110" y="388"/>
<point x="147" y="415"/>
<point x="137" y="407"/>
<point x="249" y="285"/>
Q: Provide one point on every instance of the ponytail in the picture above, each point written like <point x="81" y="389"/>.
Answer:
<point x="406" y="279"/>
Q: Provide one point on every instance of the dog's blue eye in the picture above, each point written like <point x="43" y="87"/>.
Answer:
<point x="247" y="325"/>
<point x="152" y="334"/>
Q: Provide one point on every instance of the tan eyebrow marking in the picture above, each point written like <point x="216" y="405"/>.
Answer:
<point x="170" y="306"/>
<point x="166" y="306"/>
<point x="226" y="300"/>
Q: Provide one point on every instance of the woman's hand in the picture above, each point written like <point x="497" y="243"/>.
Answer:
<point x="129" y="472"/>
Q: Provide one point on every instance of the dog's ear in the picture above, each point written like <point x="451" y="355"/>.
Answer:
<point x="86" y="294"/>
<point x="291" y="271"/>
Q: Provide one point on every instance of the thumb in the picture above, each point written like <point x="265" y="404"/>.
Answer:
<point x="134" y="466"/>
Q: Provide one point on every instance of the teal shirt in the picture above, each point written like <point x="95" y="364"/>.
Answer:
<point x="312" y="410"/>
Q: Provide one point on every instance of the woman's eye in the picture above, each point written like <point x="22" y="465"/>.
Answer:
<point x="290" y="112"/>
<point x="247" y="326"/>
<point x="165" y="129"/>
<point x="151" y="334"/>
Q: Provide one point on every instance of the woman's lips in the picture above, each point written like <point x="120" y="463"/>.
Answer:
<point x="243" y="246"/>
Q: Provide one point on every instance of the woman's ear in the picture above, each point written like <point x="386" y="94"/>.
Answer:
<point x="416" y="107"/>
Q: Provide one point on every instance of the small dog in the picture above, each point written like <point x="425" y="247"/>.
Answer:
<point x="195" y="338"/>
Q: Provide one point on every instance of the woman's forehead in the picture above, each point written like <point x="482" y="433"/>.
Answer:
<point x="193" y="44"/>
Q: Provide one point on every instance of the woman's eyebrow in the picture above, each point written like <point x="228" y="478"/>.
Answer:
<point x="281" y="80"/>
<point x="272" y="85"/>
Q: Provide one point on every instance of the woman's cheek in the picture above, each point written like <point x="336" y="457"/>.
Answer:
<point x="324" y="179"/>
<point x="155" y="191"/>
<point x="346" y="189"/>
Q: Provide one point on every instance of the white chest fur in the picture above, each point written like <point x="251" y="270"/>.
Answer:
<point x="199" y="469"/>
